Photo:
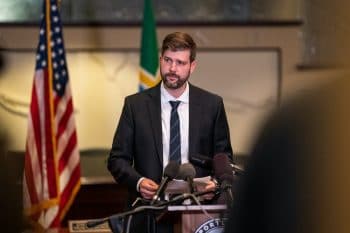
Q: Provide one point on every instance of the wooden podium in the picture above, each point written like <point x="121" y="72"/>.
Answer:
<point x="192" y="217"/>
<point x="186" y="219"/>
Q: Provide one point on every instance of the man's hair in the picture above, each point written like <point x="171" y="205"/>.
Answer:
<point x="178" y="41"/>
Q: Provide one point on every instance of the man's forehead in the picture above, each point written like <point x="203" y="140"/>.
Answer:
<point x="183" y="55"/>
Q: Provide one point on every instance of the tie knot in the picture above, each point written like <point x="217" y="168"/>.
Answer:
<point x="174" y="104"/>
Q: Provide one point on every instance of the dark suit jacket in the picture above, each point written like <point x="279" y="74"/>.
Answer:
<point x="137" y="145"/>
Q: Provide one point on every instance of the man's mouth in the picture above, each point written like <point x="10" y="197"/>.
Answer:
<point x="172" y="76"/>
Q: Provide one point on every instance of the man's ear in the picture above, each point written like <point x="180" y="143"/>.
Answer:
<point x="193" y="66"/>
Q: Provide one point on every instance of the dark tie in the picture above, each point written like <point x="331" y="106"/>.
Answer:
<point x="175" y="145"/>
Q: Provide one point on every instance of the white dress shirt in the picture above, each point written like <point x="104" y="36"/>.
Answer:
<point x="183" y="111"/>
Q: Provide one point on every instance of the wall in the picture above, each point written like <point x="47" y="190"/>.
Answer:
<point x="85" y="44"/>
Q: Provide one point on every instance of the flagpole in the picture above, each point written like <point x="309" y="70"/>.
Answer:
<point x="50" y="90"/>
<point x="52" y="162"/>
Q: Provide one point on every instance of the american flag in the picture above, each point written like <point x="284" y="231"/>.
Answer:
<point x="52" y="161"/>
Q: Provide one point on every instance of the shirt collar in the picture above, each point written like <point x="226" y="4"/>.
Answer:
<point x="166" y="97"/>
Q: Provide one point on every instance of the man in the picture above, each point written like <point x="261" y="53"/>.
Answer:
<point x="144" y="144"/>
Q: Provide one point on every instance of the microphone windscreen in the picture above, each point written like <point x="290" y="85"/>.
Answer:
<point x="227" y="178"/>
<point x="186" y="171"/>
<point x="221" y="165"/>
<point x="171" y="170"/>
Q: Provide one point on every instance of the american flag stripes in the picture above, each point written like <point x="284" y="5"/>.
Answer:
<point x="52" y="162"/>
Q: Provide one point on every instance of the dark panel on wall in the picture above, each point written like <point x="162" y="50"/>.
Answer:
<point x="167" y="11"/>
<point x="97" y="201"/>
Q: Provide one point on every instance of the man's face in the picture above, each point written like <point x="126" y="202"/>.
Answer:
<point x="175" y="68"/>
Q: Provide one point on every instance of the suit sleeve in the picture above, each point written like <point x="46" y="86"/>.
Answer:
<point x="222" y="141"/>
<point x="121" y="157"/>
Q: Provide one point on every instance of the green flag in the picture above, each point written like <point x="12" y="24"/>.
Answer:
<point x="149" y="60"/>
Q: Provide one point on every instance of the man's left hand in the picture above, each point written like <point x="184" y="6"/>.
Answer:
<point x="210" y="186"/>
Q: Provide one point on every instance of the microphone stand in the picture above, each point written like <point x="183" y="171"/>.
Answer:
<point x="185" y="196"/>
<point x="94" y="223"/>
<point x="227" y="192"/>
<point x="157" y="206"/>
<point x="190" y="184"/>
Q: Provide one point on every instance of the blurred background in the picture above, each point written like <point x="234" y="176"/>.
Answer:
<point x="255" y="54"/>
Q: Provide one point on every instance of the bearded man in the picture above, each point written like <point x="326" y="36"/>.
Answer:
<point x="170" y="122"/>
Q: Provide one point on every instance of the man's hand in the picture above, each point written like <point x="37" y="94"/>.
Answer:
<point x="210" y="186"/>
<point x="148" y="188"/>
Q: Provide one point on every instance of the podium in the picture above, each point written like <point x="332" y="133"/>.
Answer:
<point x="191" y="218"/>
<point x="186" y="219"/>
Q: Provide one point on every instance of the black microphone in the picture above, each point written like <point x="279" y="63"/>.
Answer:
<point x="170" y="172"/>
<point x="187" y="173"/>
<point x="202" y="161"/>
<point x="207" y="163"/>
<point x="237" y="169"/>
<point x="223" y="172"/>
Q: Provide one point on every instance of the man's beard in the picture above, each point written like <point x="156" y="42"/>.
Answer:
<point x="179" y="82"/>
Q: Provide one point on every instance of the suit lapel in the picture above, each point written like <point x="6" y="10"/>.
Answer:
<point x="195" y="112"/>
<point x="154" y="108"/>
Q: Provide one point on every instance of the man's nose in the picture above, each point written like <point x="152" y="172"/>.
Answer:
<point x="173" y="66"/>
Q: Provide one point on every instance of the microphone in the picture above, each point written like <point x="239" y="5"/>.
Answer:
<point x="202" y="161"/>
<point x="237" y="169"/>
<point x="207" y="163"/>
<point x="170" y="172"/>
<point x="115" y="221"/>
<point x="187" y="173"/>
<point x="223" y="172"/>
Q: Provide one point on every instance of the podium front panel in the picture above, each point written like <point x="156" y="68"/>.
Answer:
<point x="193" y="217"/>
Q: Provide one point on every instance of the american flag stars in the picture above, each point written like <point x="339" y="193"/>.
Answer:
<point x="57" y="52"/>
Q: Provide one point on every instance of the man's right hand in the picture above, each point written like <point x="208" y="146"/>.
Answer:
<point x="148" y="188"/>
